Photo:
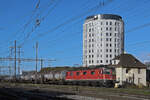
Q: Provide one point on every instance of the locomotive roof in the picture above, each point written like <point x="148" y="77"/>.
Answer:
<point x="59" y="69"/>
<point x="90" y="67"/>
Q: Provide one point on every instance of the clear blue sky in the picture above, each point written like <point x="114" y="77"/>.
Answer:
<point x="62" y="29"/>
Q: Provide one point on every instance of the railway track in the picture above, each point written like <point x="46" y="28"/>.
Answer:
<point x="30" y="94"/>
<point x="62" y="92"/>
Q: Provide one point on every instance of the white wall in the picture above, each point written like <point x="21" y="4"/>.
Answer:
<point x="122" y="76"/>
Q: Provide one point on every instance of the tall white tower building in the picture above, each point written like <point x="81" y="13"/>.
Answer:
<point x="103" y="39"/>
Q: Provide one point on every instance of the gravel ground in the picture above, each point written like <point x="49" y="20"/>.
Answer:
<point x="21" y="94"/>
<point x="78" y="97"/>
<point x="61" y="92"/>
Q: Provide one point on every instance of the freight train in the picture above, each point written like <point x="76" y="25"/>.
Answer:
<point x="93" y="76"/>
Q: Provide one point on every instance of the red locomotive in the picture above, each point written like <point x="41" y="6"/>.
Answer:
<point x="99" y="76"/>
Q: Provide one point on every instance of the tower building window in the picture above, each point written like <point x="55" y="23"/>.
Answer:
<point x="89" y="35"/>
<point x="101" y="61"/>
<point x="106" y="50"/>
<point x="107" y="56"/>
<point x="110" y="50"/>
<point x="92" y="56"/>
<point x="97" y="61"/>
<point x="107" y="45"/>
<point x="110" y="28"/>
<point x="110" y="23"/>
<point x="89" y="30"/>
<point x="110" y="45"/>
<point x="89" y="51"/>
<point x="106" y="28"/>
<point x="106" y="34"/>
<point x="106" y="39"/>
<point x="106" y="23"/>
<point x="110" y="56"/>
<point x="97" y="55"/>
<point x="89" y="61"/>
<point x="92" y="29"/>
<point x="106" y="61"/>
<point x="92" y="61"/>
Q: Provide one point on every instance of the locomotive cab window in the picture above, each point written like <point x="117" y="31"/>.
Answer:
<point x="106" y="71"/>
<point x="101" y="72"/>
<point x="113" y="72"/>
<point x="67" y="74"/>
<point x="92" y="72"/>
<point x="71" y="73"/>
<point x="84" y="73"/>
<point x="77" y="73"/>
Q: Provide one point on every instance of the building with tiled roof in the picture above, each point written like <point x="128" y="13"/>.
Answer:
<point x="129" y="69"/>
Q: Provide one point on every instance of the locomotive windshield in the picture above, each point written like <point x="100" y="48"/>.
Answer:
<point x="71" y="73"/>
<point x="106" y="71"/>
<point x="92" y="72"/>
<point x="113" y="72"/>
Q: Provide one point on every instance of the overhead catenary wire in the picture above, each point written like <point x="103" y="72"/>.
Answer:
<point x="132" y="31"/>
<point x="24" y="26"/>
<point x="50" y="10"/>
<point x="72" y="25"/>
<point x="64" y="32"/>
<point x="140" y="12"/>
<point x="30" y="19"/>
<point x="57" y="36"/>
<point x="40" y="20"/>
<point x="141" y="26"/>
<point x="43" y="18"/>
<point x="134" y="10"/>
<point x="138" y="27"/>
<point x="20" y="29"/>
<point x="67" y="28"/>
<point x="34" y="11"/>
<point x="73" y="19"/>
<point x="139" y="43"/>
<point x="53" y="43"/>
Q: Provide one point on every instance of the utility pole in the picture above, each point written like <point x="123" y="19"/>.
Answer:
<point x="0" y="71"/>
<point x="15" y="60"/>
<point x="41" y="70"/>
<point x="36" y="62"/>
<point x="19" y="61"/>
<point x="10" y="63"/>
